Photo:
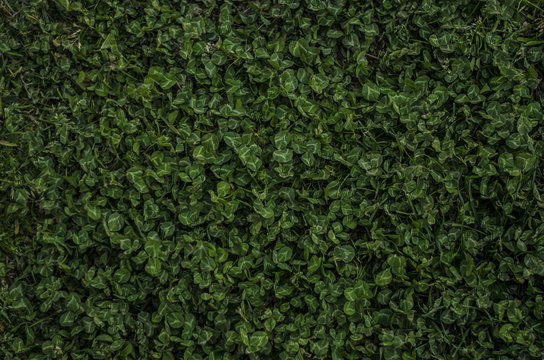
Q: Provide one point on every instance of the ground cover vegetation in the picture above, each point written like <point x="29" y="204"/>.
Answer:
<point x="317" y="179"/>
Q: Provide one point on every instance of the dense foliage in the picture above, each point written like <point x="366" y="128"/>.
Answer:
<point x="316" y="179"/>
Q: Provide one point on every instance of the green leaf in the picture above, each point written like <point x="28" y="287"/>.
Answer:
<point x="223" y="188"/>
<point x="109" y="42"/>
<point x="282" y="254"/>
<point x="314" y="264"/>
<point x="318" y="83"/>
<point x="115" y="222"/>
<point x="363" y="290"/>
<point x="134" y="176"/>
<point x="163" y="79"/>
<point x="283" y="156"/>
<point x="350" y="294"/>
<point x="152" y="247"/>
<point x="282" y="139"/>
<point x="371" y="92"/>
<point x="525" y="161"/>
<point x="94" y="212"/>
<point x="153" y="266"/>
<point x="289" y="81"/>
<point x="67" y="319"/>
<point x="65" y="4"/>
<point x="258" y="339"/>
<point x="210" y="142"/>
<point x="383" y="278"/>
<point x="73" y="303"/>
<point x="345" y="253"/>
<point x="349" y="308"/>
<point x="175" y="320"/>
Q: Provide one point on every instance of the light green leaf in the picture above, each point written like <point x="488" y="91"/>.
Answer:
<point x="223" y="188"/>
<point x="345" y="253"/>
<point x="384" y="278"/>
<point x="283" y="156"/>
<point x="282" y="254"/>
<point x="258" y="339"/>
<point x="115" y="221"/>
<point x="288" y="80"/>
<point x="349" y="308"/>
<point x="153" y="266"/>
<point x="371" y="92"/>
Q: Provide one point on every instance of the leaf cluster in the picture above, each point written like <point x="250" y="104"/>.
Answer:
<point x="271" y="179"/>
